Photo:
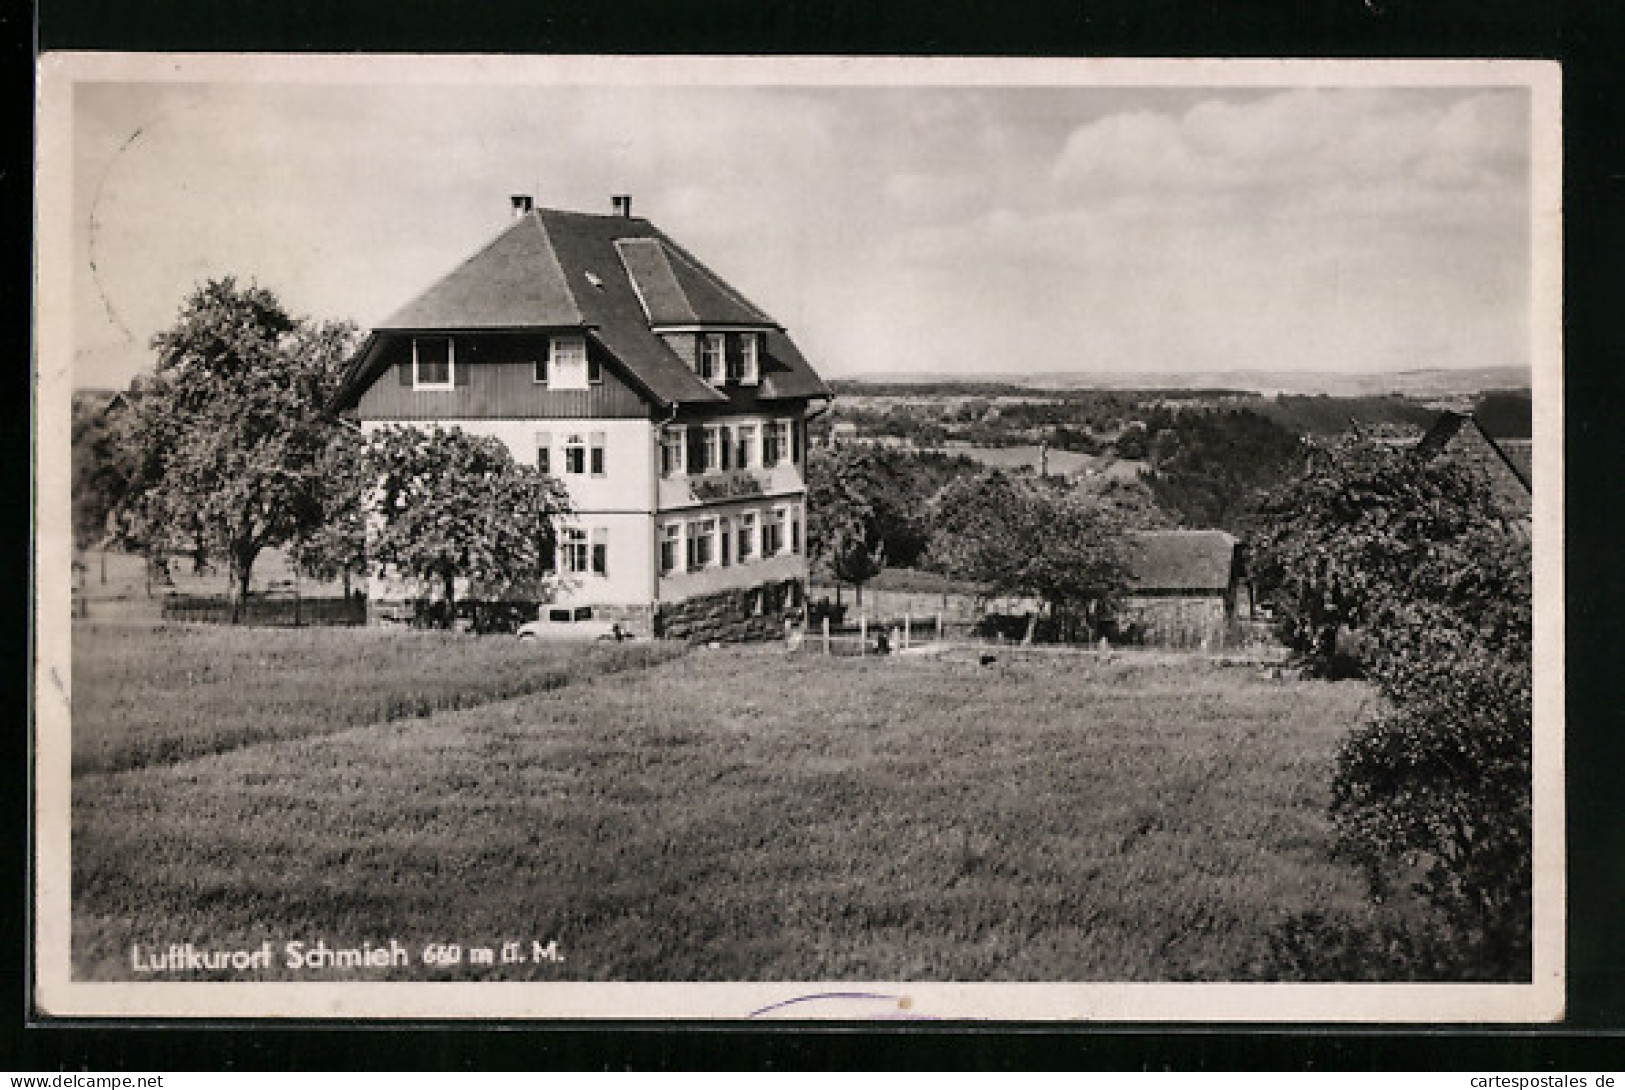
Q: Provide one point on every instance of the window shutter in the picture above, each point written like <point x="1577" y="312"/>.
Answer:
<point x="696" y="448"/>
<point x="544" y="451"/>
<point x="460" y="369"/>
<point x="596" y="444"/>
<point x="725" y="444"/>
<point x="725" y="535"/>
<point x="600" y="551"/>
<point x="550" y="553"/>
<point x="404" y="370"/>
<point x="795" y="441"/>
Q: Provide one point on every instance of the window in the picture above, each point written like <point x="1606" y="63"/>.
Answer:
<point x="773" y="532"/>
<point x="747" y="536"/>
<point x="712" y="347"/>
<point x="671" y="546"/>
<point x="748" y="365"/>
<point x="559" y="616"/>
<point x="567" y="363"/>
<point x="600" y="551"/>
<point x="544" y="452"/>
<point x="774" y="442"/>
<point x="795" y="529"/>
<point x="595" y="368"/>
<point x="596" y="453"/>
<point x="573" y="552"/>
<point x="672" y="441"/>
<point x="539" y="370"/>
<point x="736" y="358"/>
<point x="702" y="544"/>
<point x="708" y="450"/>
<point x="746" y="454"/>
<point x="725" y="539"/>
<point x="725" y="446"/>
<point x="583" y="613"/>
<point x="431" y="363"/>
<point x="575" y="455"/>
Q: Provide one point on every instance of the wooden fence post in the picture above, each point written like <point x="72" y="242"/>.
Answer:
<point x="863" y="633"/>
<point x="826" y="634"/>
<point x="908" y="626"/>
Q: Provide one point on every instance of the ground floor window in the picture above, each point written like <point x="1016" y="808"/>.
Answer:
<point x="600" y="551"/>
<point x="702" y="544"/>
<point x="574" y="557"/>
<point x="671" y="547"/>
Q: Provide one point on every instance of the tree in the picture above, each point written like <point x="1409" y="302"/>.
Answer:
<point x="99" y="471"/>
<point x="1437" y="785"/>
<point x="226" y="439"/>
<point x="1032" y="538"/>
<point x="1434" y="789"/>
<point x="864" y="510"/>
<point x="1339" y="545"/>
<point x="446" y="505"/>
<point x="332" y="540"/>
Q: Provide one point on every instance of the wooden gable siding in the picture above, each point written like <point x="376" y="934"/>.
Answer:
<point x="499" y="383"/>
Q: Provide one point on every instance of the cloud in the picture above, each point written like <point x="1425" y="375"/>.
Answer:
<point x="1293" y="144"/>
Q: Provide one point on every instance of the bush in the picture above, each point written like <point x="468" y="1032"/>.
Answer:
<point x="1406" y="570"/>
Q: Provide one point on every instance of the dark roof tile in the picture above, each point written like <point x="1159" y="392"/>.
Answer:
<point x="612" y="275"/>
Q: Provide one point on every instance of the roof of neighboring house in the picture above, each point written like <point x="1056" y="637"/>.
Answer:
<point x="619" y="278"/>
<point x="1449" y="425"/>
<point x="1164" y="560"/>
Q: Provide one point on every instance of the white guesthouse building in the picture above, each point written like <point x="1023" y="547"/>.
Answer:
<point x="670" y="407"/>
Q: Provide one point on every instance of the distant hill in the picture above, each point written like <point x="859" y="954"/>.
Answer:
<point x="1426" y="383"/>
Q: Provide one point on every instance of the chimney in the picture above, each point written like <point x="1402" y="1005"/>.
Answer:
<point x="622" y="203"/>
<point x="522" y="204"/>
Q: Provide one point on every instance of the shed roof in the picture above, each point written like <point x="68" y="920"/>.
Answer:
<point x="1165" y="560"/>
<point x="616" y="277"/>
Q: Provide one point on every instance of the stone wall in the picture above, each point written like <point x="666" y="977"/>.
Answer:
<point x="733" y="615"/>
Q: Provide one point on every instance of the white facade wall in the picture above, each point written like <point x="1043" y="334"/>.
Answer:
<point x="628" y="483"/>
<point x="620" y="502"/>
<point x="631" y="503"/>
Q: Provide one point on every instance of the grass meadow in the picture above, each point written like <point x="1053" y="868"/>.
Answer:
<point x="734" y="814"/>
<point x="147" y="696"/>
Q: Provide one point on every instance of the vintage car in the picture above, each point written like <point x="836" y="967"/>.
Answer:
<point x="571" y="623"/>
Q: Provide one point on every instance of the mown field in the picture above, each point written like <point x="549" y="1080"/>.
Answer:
<point x="726" y="815"/>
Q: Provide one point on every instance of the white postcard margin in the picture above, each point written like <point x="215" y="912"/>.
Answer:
<point x="57" y="995"/>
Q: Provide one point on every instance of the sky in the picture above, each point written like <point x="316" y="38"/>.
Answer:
<point x="925" y="230"/>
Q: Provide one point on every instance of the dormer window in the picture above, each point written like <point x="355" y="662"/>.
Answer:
<point x="567" y="366"/>
<point x="432" y="363"/>
<point x="713" y="349"/>
<point x="749" y="369"/>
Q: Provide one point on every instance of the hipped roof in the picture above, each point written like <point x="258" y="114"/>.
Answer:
<point x="618" y="278"/>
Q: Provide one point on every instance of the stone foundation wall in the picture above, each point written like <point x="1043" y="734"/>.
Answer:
<point x="733" y="615"/>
